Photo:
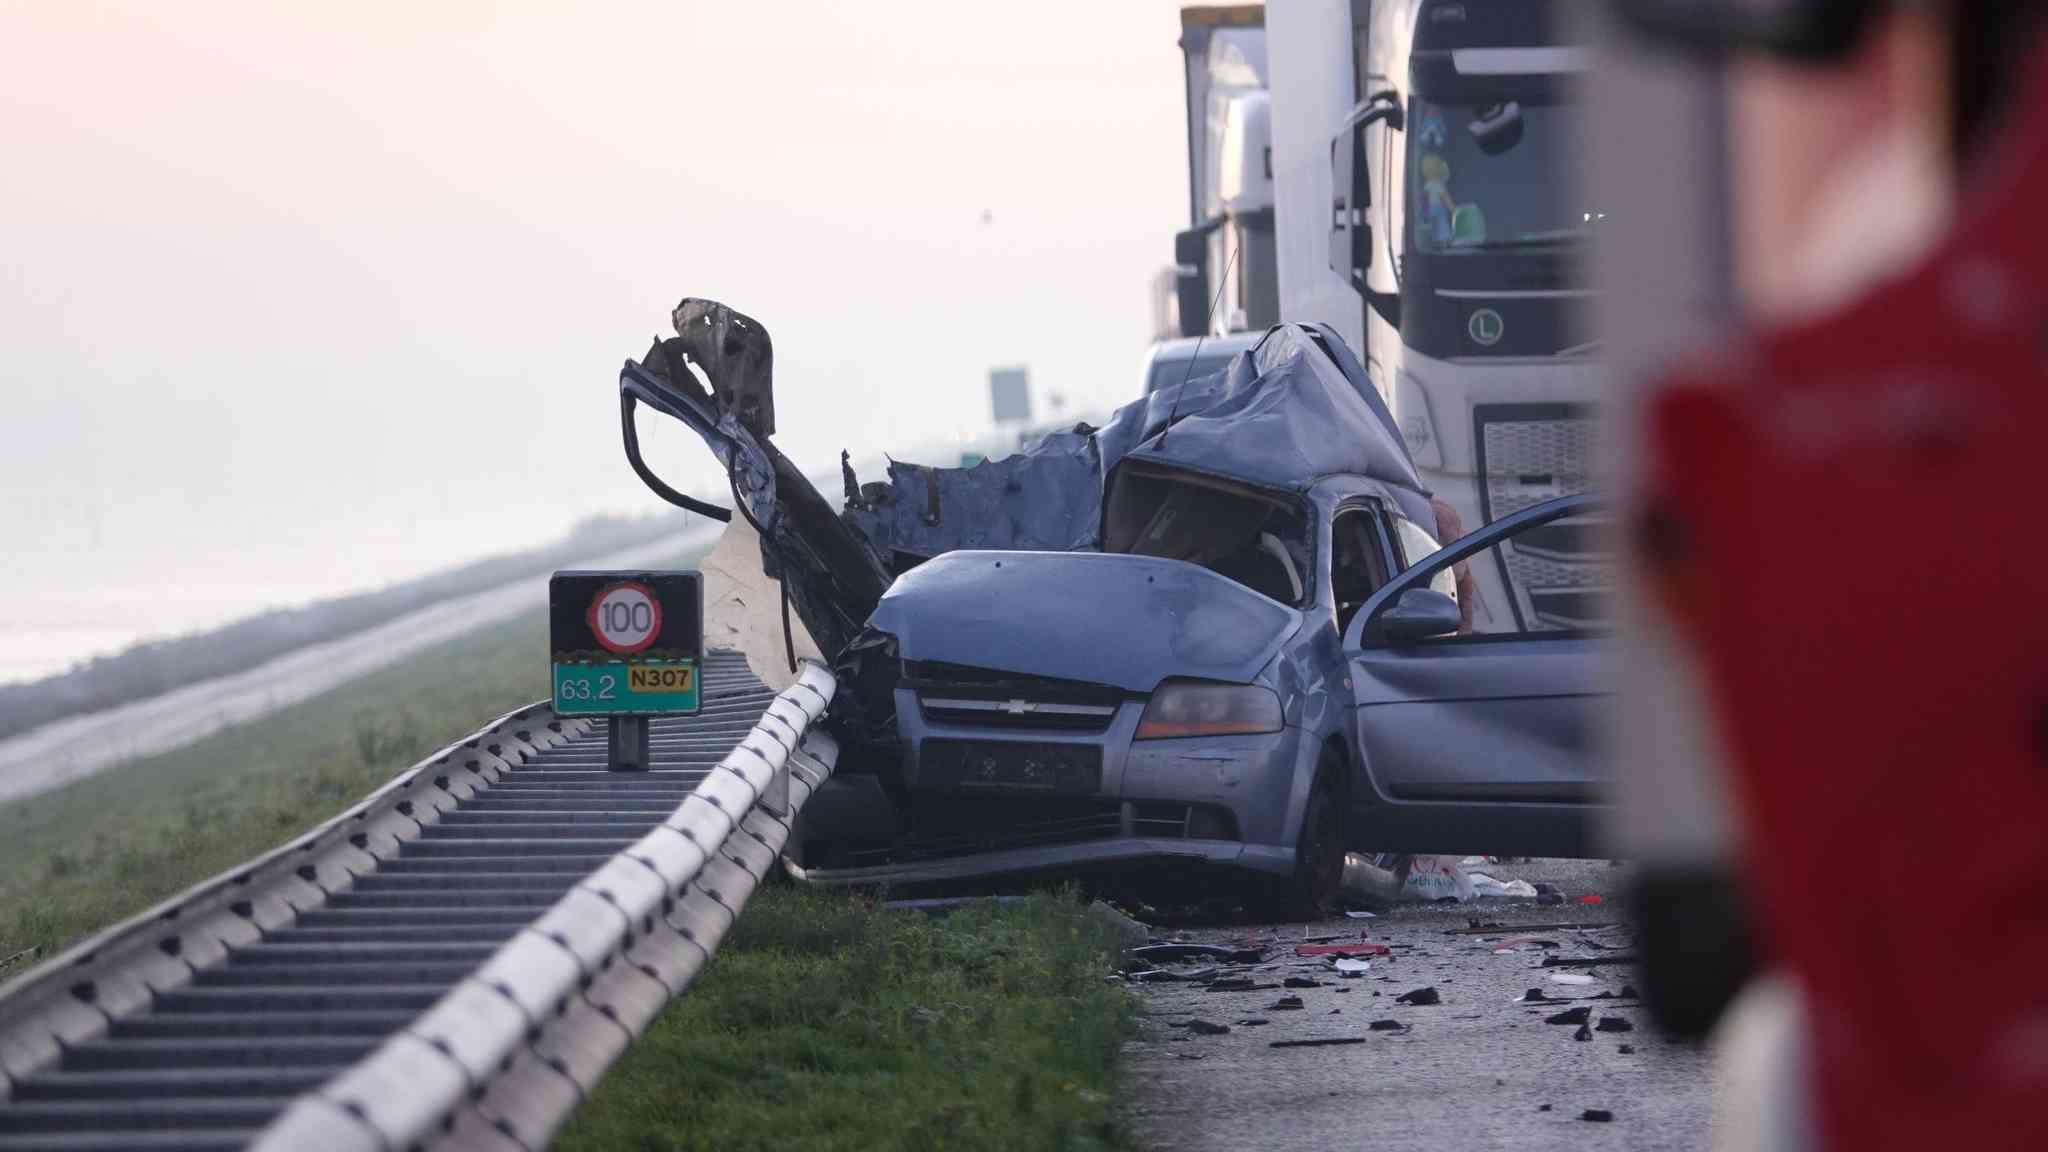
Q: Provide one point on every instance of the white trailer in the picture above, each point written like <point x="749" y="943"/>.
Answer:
<point x="1223" y="278"/>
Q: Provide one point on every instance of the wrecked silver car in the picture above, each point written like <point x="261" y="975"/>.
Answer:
<point x="1215" y="631"/>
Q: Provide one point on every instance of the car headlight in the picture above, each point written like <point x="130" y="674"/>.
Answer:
<point x="1418" y="431"/>
<point x="1198" y="708"/>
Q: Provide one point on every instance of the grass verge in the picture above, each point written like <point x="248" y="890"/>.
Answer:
<point x="829" y="1023"/>
<point x="81" y="857"/>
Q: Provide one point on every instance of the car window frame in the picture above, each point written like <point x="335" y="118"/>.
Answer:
<point x="1374" y="511"/>
<point x="1465" y="548"/>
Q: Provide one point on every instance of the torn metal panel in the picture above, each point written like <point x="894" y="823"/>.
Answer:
<point x="1047" y="498"/>
<point x="831" y="575"/>
<point x="736" y="356"/>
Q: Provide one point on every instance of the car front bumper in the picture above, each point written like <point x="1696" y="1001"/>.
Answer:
<point x="1215" y="801"/>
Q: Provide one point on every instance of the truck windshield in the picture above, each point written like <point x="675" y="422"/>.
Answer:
<point x="1493" y="176"/>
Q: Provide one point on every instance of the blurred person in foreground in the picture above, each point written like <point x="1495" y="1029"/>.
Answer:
<point x="1884" y="707"/>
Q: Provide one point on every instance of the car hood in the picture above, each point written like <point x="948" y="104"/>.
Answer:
<point x="1107" y="618"/>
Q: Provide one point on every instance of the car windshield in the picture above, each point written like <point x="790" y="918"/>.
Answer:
<point x="1494" y="176"/>
<point x="1169" y="372"/>
<point x="1256" y="540"/>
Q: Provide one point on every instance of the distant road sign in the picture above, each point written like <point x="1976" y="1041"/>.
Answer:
<point x="626" y="643"/>
<point x="1009" y="395"/>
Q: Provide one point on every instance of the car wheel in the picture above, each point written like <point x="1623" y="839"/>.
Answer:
<point x="1319" y="852"/>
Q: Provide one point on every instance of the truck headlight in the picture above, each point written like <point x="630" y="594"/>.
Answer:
<point x="1418" y="431"/>
<point x="1182" y="708"/>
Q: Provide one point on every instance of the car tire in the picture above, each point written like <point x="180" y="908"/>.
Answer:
<point x="1319" y="850"/>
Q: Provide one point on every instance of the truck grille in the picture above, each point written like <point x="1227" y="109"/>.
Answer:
<point x="1529" y="453"/>
<point x="1559" y="576"/>
<point x="987" y="698"/>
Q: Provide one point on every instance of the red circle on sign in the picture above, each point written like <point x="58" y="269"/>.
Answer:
<point x="597" y="628"/>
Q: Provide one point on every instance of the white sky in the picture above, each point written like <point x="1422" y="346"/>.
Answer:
<point x="297" y="300"/>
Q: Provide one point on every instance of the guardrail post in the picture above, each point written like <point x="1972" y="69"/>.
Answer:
<point x="774" y="798"/>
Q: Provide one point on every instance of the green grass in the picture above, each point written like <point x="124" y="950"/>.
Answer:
<point x="826" y="1023"/>
<point x="82" y="857"/>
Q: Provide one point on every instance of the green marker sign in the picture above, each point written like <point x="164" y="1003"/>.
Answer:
<point x="616" y="688"/>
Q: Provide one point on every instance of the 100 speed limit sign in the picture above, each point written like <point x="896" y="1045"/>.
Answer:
<point x="625" y="617"/>
<point x="626" y="643"/>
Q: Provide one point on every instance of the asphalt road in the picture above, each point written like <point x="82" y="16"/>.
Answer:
<point x="1474" y="1071"/>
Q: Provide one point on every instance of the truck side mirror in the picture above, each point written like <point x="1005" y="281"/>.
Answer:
<point x="1350" y="252"/>
<point x="1191" y="280"/>
<point x="1350" y="197"/>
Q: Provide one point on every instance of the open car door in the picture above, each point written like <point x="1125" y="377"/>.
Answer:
<point x="1479" y="736"/>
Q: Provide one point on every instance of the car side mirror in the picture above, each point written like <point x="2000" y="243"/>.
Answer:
<point x="1417" y="614"/>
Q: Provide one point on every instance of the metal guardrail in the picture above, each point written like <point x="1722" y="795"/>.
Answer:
<point x="452" y="963"/>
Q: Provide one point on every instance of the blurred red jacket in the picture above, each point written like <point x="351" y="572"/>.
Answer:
<point x="1846" y="517"/>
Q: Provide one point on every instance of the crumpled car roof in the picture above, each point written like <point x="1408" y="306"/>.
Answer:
<point x="1295" y="408"/>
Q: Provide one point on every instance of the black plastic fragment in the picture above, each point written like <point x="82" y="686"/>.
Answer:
<point x="1587" y="961"/>
<point x="1238" y="984"/>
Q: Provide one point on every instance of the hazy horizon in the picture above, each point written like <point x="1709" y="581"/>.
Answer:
<point x="301" y="303"/>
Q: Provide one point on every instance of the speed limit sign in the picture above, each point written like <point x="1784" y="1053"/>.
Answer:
<point x="625" y="617"/>
<point x="626" y="643"/>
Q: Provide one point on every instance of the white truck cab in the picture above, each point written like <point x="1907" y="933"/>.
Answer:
<point x="1454" y="228"/>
